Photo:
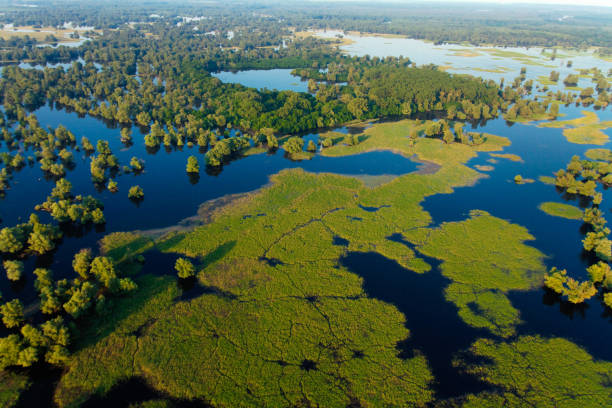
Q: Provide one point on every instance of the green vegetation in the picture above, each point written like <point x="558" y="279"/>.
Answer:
<point x="184" y="268"/>
<point x="561" y="210"/>
<point x="404" y="137"/>
<point x="192" y="165"/>
<point x="580" y="178"/>
<point x="539" y="372"/>
<point x="599" y="154"/>
<point x="470" y="251"/>
<point x="584" y="130"/>
<point x="569" y="288"/>
<point x="14" y="269"/>
<point x="135" y="193"/>
<point x="11" y="386"/>
<point x="275" y="284"/>
<point x="507" y="156"/>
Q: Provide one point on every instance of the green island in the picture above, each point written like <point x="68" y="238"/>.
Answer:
<point x="547" y="383"/>
<point x="561" y="210"/>
<point x="507" y="156"/>
<point x="584" y="130"/>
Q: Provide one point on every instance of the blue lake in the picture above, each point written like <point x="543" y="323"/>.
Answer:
<point x="279" y="79"/>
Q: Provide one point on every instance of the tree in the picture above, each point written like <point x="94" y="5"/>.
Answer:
<point x="571" y="80"/>
<point x="448" y="136"/>
<point x="271" y="141"/>
<point x="601" y="273"/>
<point x="293" y="145"/>
<point x="103" y="269"/>
<point x="554" y="76"/>
<point x="126" y="135"/>
<point x="136" y="164"/>
<point x="40" y="243"/>
<point x="112" y="186"/>
<point x="97" y="216"/>
<point x="14" y="269"/>
<point x="574" y="291"/>
<point x="56" y="354"/>
<point x="81" y="299"/>
<point x="192" y="165"/>
<point x="433" y="129"/>
<point x="56" y="331"/>
<point x="184" y="268"/>
<point x="135" y="193"/>
<point x="127" y="285"/>
<point x="10" y="242"/>
<point x="586" y="93"/>
<point x="87" y="145"/>
<point x="608" y="299"/>
<point x="10" y="347"/>
<point x="82" y="262"/>
<point x="554" y="110"/>
<point x="311" y="147"/>
<point x="12" y="313"/>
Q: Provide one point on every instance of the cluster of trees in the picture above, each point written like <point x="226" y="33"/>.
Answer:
<point x="63" y="303"/>
<point x="32" y="237"/>
<point x="162" y="84"/>
<point x="580" y="178"/>
<point x="225" y="149"/>
<point x="66" y="207"/>
<point x="104" y="160"/>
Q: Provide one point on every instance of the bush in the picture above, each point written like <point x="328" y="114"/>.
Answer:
<point x="135" y="193"/>
<point x="14" y="269"/>
<point x="184" y="268"/>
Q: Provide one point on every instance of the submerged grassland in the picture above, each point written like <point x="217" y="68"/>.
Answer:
<point x="585" y="130"/>
<point x="279" y="321"/>
<point x="562" y="210"/>
<point x="539" y="372"/>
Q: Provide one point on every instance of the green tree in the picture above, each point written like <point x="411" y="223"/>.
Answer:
<point x="82" y="262"/>
<point x="12" y="313"/>
<point x="293" y="145"/>
<point x="311" y="147"/>
<point x="135" y="193"/>
<point x="112" y="186"/>
<point x="271" y="141"/>
<point x="192" y="165"/>
<point x="14" y="269"/>
<point x="126" y="135"/>
<point x="103" y="269"/>
<point x="10" y="347"/>
<point x="81" y="299"/>
<point x="40" y="243"/>
<point x="184" y="268"/>
<point x="10" y="241"/>
<point x="136" y="164"/>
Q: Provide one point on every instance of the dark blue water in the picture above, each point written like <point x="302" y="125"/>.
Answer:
<point x="544" y="151"/>
<point x="171" y="195"/>
<point x="435" y="327"/>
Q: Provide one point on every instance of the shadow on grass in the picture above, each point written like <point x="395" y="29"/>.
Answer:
<point x="216" y="254"/>
<point x="136" y="391"/>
